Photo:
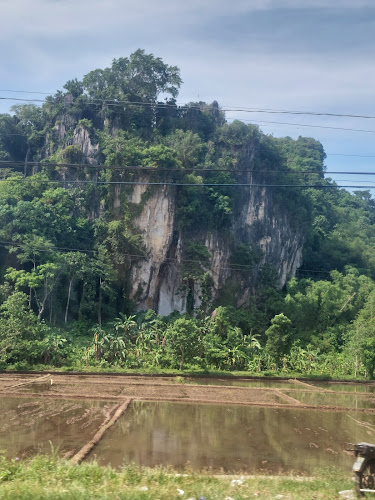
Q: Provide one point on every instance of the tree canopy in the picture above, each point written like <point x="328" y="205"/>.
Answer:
<point x="70" y="246"/>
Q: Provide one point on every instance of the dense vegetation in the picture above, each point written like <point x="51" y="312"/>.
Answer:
<point x="66" y="251"/>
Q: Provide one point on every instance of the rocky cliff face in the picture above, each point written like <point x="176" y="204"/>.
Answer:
<point x="80" y="137"/>
<point x="158" y="281"/>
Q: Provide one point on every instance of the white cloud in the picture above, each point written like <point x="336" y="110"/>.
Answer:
<point x="59" y="40"/>
<point x="63" y="17"/>
<point x="47" y="42"/>
<point x="266" y="80"/>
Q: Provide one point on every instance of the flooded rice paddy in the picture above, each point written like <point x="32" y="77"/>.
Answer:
<point x="346" y="387"/>
<point x="232" y="438"/>
<point x="275" y="384"/>
<point x="222" y="425"/>
<point x="355" y="400"/>
<point x="29" y="426"/>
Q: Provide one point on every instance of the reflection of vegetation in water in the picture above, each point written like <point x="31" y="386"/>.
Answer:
<point x="343" y="400"/>
<point x="232" y="437"/>
<point x="272" y="384"/>
<point x="304" y="440"/>
<point x="346" y="387"/>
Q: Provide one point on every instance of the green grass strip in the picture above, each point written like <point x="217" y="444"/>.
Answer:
<point x="52" y="478"/>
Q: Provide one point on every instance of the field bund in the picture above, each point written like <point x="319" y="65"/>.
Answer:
<point x="219" y="425"/>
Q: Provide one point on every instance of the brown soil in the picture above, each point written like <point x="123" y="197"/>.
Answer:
<point x="120" y="388"/>
<point x="62" y="400"/>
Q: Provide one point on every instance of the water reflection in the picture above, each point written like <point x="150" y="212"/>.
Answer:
<point x="232" y="439"/>
<point x="346" y="387"/>
<point x="330" y="399"/>
<point x="272" y="384"/>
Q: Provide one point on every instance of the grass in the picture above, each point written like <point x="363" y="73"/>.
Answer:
<point x="52" y="478"/>
<point x="192" y="372"/>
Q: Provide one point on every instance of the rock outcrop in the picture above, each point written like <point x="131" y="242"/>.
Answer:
<point x="158" y="282"/>
<point x="258" y="222"/>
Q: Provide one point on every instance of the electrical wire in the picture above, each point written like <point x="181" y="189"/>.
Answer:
<point x="312" y="271"/>
<point x="180" y="184"/>
<point x="234" y="267"/>
<point x="9" y="163"/>
<point x="327" y="154"/>
<point x="311" y="126"/>
<point x="200" y="185"/>
<point x="355" y="155"/>
<point x="347" y="129"/>
<point x="226" y="108"/>
<point x="25" y="91"/>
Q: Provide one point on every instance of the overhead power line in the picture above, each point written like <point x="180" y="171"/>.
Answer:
<point x="21" y="99"/>
<point x="327" y="154"/>
<point x="233" y="267"/>
<point x="224" y="107"/>
<point x="26" y="91"/>
<point x="53" y="247"/>
<point x="348" y="129"/>
<point x="198" y="185"/>
<point x="355" y="155"/>
<point x="112" y="103"/>
<point x="134" y="168"/>
<point x="309" y="271"/>
<point x="311" y="126"/>
<point x="293" y="112"/>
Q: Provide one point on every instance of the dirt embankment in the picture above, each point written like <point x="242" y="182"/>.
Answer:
<point x="121" y="388"/>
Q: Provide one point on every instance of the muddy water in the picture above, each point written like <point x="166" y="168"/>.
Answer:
<point x="345" y="387"/>
<point x="329" y="399"/>
<point x="272" y="384"/>
<point x="60" y="383"/>
<point x="28" y="426"/>
<point x="232" y="439"/>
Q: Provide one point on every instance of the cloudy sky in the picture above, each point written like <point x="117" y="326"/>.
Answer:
<point x="305" y="55"/>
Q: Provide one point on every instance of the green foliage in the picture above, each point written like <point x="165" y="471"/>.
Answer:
<point x="206" y="284"/>
<point x="317" y="306"/>
<point x="245" y="257"/>
<point x="24" y="339"/>
<point x="196" y="261"/>
<point x="121" y="149"/>
<point x="236" y="135"/>
<point x="197" y="257"/>
<point x="279" y="337"/>
<point x="141" y="75"/>
<point x="71" y="154"/>
<point x="190" y="210"/>
<point x="360" y="340"/>
<point x="12" y="145"/>
<point x="85" y="123"/>
<point x="199" y="117"/>
<point x="189" y="147"/>
<point x="40" y="281"/>
<point x="182" y="337"/>
<point x="70" y="251"/>
<point x="160" y="156"/>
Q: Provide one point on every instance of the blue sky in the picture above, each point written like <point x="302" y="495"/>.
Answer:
<point x="309" y="55"/>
